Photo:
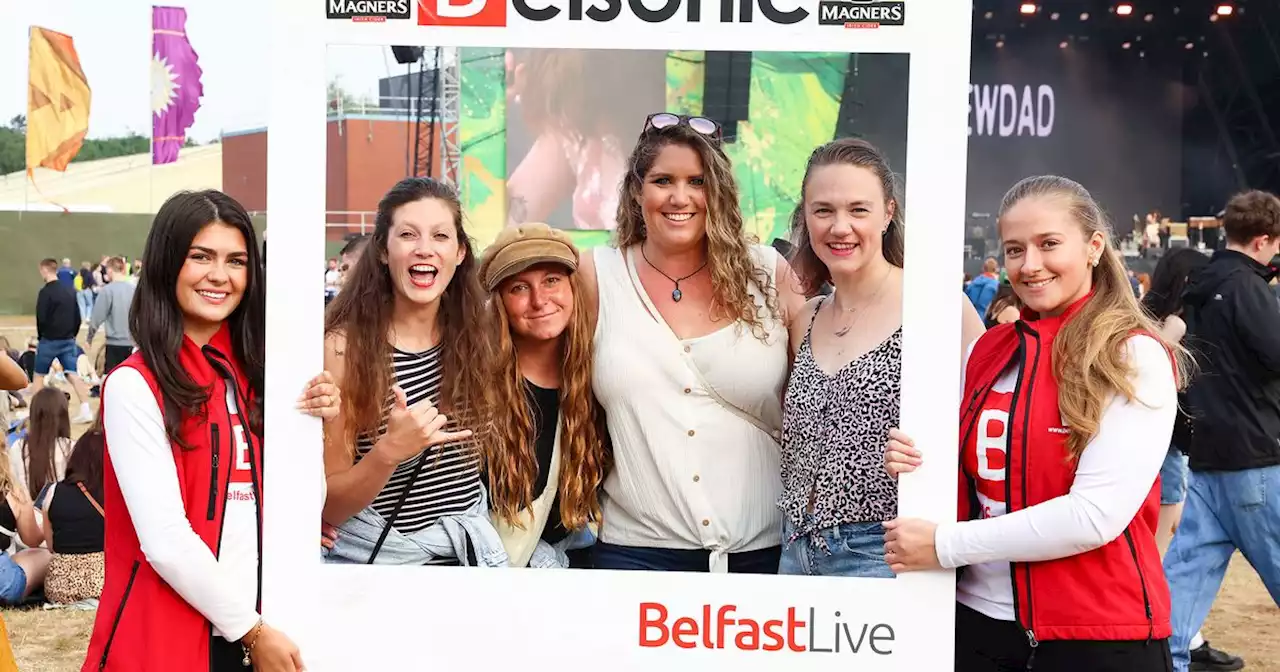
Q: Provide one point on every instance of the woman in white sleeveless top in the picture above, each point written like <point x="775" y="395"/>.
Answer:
<point x="691" y="358"/>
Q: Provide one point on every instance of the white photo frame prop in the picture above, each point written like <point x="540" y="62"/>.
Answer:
<point x="439" y="618"/>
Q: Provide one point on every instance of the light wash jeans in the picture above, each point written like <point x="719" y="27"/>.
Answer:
<point x="84" y="299"/>
<point x="1224" y="511"/>
<point x="549" y="556"/>
<point x="446" y="538"/>
<point x="851" y="549"/>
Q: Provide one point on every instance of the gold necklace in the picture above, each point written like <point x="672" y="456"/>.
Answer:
<point x="857" y="311"/>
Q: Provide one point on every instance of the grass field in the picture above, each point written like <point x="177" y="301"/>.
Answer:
<point x="1244" y="621"/>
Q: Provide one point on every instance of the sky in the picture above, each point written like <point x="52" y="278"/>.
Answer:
<point x="113" y="39"/>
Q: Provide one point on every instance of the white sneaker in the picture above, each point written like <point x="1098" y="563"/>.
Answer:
<point x="83" y="419"/>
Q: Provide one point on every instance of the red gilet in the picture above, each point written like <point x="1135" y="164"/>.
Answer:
<point x="142" y="624"/>
<point x="1116" y="592"/>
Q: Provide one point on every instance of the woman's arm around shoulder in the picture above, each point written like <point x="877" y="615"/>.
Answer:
<point x="148" y="478"/>
<point x="791" y="296"/>
<point x="590" y="284"/>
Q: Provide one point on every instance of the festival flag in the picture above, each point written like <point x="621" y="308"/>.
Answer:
<point x="57" y="101"/>
<point x="175" y="83"/>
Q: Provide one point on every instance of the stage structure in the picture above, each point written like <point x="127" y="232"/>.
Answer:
<point x="450" y="79"/>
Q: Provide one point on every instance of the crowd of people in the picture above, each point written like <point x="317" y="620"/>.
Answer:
<point x="686" y="399"/>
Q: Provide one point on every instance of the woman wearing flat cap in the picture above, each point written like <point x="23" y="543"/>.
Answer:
<point x="545" y="455"/>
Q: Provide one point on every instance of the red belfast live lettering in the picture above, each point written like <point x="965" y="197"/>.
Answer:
<point x="723" y="628"/>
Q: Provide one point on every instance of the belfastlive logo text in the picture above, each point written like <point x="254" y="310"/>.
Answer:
<point x="726" y="630"/>
<point x="375" y="11"/>
<point x="861" y="13"/>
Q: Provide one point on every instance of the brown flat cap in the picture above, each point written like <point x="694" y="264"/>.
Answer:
<point x="519" y="247"/>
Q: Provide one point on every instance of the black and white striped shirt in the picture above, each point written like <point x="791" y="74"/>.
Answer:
<point x="449" y="483"/>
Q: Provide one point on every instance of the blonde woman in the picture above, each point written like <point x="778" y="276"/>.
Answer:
<point x="1066" y="420"/>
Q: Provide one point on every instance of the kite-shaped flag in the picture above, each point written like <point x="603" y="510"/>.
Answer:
<point x="57" y="101"/>
<point x="175" y="83"/>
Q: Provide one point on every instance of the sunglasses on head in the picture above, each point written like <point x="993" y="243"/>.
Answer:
<point x="700" y="125"/>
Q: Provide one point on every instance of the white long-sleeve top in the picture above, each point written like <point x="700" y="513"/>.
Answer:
<point x="1113" y="477"/>
<point x="224" y="588"/>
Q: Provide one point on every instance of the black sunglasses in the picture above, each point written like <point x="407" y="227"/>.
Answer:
<point x="700" y="125"/>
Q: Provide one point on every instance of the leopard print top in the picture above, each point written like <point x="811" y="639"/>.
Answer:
<point x="834" y="429"/>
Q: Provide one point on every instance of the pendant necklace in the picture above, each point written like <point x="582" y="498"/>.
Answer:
<point x="857" y="312"/>
<point x="676" y="294"/>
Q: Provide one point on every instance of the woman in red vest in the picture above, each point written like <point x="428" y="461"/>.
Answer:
<point x="182" y="473"/>
<point x="1067" y="415"/>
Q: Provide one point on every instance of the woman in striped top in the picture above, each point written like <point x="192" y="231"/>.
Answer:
<point x="406" y="341"/>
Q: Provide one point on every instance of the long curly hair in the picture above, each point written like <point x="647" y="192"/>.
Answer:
<point x="508" y="450"/>
<point x="728" y="254"/>
<point x="362" y="314"/>
<point x="1088" y="353"/>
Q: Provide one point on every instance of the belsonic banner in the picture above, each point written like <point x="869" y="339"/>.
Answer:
<point x="535" y="108"/>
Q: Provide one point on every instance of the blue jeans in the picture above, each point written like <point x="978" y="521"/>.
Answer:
<point x="1224" y="511"/>
<point x="1173" y="478"/>
<point x="13" y="580"/>
<point x="852" y="549"/>
<point x="84" y="299"/>
<point x="65" y="352"/>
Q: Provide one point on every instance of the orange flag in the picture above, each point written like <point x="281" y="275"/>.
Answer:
<point x="57" y="101"/>
<point x="7" y="663"/>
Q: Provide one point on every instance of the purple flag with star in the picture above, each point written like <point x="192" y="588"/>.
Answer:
<point x="175" y="83"/>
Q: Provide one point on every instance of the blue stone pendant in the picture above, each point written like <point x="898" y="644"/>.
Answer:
<point x="675" y="295"/>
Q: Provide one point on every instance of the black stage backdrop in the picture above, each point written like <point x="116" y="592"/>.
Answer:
<point x="1097" y="114"/>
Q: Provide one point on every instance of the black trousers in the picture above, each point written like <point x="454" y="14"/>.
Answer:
<point x="226" y="656"/>
<point x="984" y="644"/>
<point x="114" y="355"/>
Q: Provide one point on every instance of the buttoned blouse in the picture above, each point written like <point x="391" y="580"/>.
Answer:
<point x="690" y="473"/>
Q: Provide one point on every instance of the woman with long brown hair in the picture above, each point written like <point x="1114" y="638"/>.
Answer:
<point x="545" y="455"/>
<point x="845" y="387"/>
<point x="41" y="457"/>
<point x="691" y="357"/>
<point x="407" y="343"/>
<point x="74" y="524"/>
<point x="1066" y="419"/>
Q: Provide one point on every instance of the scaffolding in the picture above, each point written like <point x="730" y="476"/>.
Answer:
<point x="450" y="79"/>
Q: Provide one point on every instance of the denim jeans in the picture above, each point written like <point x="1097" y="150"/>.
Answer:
<point x="1224" y="511"/>
<point x="1173" y="477"/>
<point x="84" y="299"/>
<point x="852" y="549"/>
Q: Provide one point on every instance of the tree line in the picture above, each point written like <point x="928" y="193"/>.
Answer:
<point x="13" y="146"/>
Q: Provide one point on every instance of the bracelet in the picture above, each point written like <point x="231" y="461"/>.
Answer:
<point x="255" y="631"/>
